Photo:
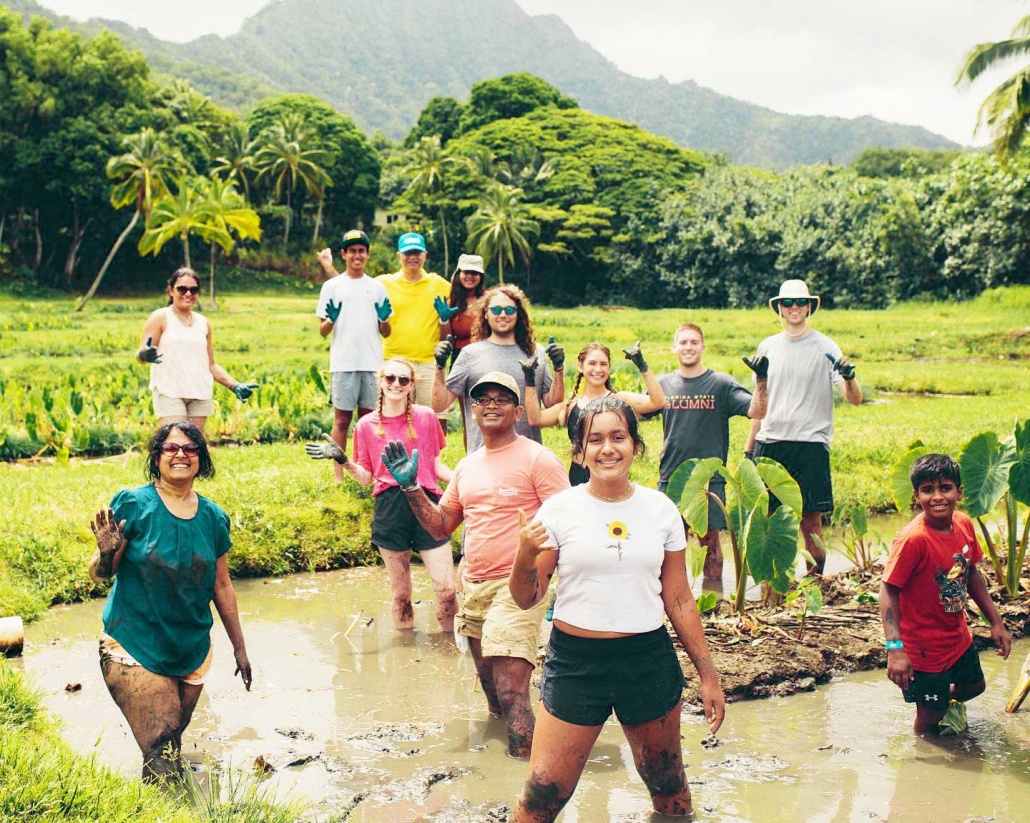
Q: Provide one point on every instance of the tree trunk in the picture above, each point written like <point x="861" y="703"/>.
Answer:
<point x="289" y="218"/>
<point x="110" y="256"/>
<point x="186" y="251"/>
<point x="37" y="258"/>
<point x="446" y="257"/>
<point x="318" y="222"/>
<point x="78" y="234"/>
<point x="211" y="284"/>
<point x="500" y="267"/>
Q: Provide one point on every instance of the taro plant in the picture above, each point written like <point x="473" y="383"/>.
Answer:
<point x="764" y="544"/>
<point x="856" y="542"/>
<point x="809" y="599"/>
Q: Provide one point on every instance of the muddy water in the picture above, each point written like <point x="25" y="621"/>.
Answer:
<point x="394" y="728"/>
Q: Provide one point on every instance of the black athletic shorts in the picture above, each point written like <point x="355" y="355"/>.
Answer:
<point x="809" y="464"/>
<point x="394" y="525"/>
<point x="933" y="689"/>
<point x="585" y="678"/>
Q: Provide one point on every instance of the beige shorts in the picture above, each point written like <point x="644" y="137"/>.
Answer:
<point x="111" y="649"/>
<point x="182" y="408"/>
<point x="425" y="373"/>
<point x="489" y="614"/>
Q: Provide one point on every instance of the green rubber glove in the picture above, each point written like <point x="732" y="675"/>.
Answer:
<point x="403" y="468"/>
<point x="384" y="310"/>
<point x="332" y="311"/>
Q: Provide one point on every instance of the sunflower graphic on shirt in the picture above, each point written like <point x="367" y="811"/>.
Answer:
<point x="618" y="531"/>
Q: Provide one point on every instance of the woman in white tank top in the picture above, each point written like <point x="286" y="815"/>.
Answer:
<point x="176" y="342"/>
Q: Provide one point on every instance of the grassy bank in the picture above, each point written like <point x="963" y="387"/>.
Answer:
<point x="939" y="372"/>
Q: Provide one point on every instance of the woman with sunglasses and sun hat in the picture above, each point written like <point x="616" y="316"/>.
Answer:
<point x="166" y="548"/>
<point x="177" y="343"/>
<point x="618" y="550"/>
<point x="594" y="368"/>
<point x="395" y="530"/>
<point x="457" y="315"/>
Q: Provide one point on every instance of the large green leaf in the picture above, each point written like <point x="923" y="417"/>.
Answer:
<point x="900" y="484"/>
<point x="693" y="501"/>
<point x="771" y="543"/>
<point x="985" y="464"/>
<point x="678" y="479"/>
<point x="780" y="483"/>
<point x="1019" y="475"/>
<point x="750" y="486"/>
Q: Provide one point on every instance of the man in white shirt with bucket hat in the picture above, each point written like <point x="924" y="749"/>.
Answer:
<point x="804" y="366"/>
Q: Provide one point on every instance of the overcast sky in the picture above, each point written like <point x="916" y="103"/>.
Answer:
<point x="894" y="59"/>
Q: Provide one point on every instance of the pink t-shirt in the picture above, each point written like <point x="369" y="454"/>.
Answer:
<point x="429" y="440"/>
<point x="488" y="489"/>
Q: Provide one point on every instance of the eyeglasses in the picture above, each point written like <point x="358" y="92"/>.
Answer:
<point x="500" y="401"/>
<point x="787" y="302"/>
<point x="188" y="289"/>
<point x="189" y="449"/>
<point x="390" y="378"/>
<point x="497" y="311"/>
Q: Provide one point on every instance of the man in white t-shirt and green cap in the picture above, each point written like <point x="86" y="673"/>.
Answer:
<point x="804" y="366"/>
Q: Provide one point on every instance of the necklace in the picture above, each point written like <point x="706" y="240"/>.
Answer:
<point x="616" y="499"/>
<point x="186" y="322"/>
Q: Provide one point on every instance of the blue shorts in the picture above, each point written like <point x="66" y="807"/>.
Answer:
<point x="353" y="388"/>
<point x="933" y="689"/>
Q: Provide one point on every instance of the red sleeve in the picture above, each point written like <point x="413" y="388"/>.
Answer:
<point x="906" y="554"/>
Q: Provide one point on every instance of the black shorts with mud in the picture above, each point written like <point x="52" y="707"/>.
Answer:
<point x="584" y="679"/>
<point x="933" y="689"/>
<point x="809" y="464"/>
<point x="394" y="525"/>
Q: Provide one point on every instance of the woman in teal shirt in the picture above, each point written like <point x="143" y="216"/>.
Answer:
<point x="166" y="548"/>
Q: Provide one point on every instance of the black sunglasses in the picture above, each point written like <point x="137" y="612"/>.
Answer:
<point x="787" y="302"/>
<point x="189" y="449"/>
<point x="188" y="289"/>
<point x="390" y="378"/>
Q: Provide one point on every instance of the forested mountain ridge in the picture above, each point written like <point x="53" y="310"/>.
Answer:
<point x="381" y="62"/>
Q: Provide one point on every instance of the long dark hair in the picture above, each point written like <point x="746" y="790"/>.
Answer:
<point x="151" y="466"/>
<point x="608" y="403"/>
<point x="523" y="325"/>
<point x="459" y="295"/>
<point x="177" y="275"/>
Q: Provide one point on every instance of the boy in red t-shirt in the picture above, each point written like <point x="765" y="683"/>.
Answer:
<point x="930" y="571"/>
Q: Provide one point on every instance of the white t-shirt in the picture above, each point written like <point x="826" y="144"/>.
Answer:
<point x="356" y="345"/>
<point x="183" y="371"/>
<point x="610" y="557"/>
<point x="801" y="381"/>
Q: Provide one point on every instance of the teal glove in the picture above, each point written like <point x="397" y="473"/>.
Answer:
<point x="332" y="311"/>
<point x="443" y="310"/>
<point x="384" y="310"/>
<point x="244" y="390"/>
<point x="403" y="468"/>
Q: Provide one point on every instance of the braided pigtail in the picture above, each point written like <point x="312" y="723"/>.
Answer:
<point x="563" y="415"/>
<point x="410" y="414"/>
<point x="379" y="412"/>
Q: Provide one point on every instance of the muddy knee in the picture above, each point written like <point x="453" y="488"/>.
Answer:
<point x="665" y="777"/>
<point x="447" y="603"/>
<point x="161" y="758"/>
<point x="542" y="798"/>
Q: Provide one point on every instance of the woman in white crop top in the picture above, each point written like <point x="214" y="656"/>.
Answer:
<point x="176" y="342"/>
<point x="618" y="550"/>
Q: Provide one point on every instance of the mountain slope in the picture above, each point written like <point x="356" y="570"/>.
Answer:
<point x="381" y="62"/>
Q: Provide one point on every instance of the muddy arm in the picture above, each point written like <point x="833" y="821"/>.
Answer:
<point x="228" y="611"/>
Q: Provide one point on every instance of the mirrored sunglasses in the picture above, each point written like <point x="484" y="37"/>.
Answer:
<point x="787" y="302"/>
<point x="496" y="311"/>
<point x="188" y="289"/>
<point x="189" y="449"/>
<point x="391" y="378"/>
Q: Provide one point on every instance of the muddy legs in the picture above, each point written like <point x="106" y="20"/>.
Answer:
<point x="713" y="555"/>
<point x="812" y="524"/>
<point x="439" y="563"/>
<point x="398" y="569"/>
<point x="658" y="756"/>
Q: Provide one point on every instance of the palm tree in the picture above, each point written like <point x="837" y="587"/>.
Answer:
<point x="175" y="216"/>
<point x="501" y="226"/>
<point x="141" y="176"/>
<point x="227" y="215"/>
<point x="283" y="158"/>
<point x="237" y="158"/>
<point x="1006" y="111"/>
<point x="429" y="164"/>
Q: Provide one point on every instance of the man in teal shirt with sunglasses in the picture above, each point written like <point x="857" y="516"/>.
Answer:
<point x="804" y="366"/>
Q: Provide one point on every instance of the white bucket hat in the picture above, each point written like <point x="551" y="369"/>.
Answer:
<point x="794" y="289"/>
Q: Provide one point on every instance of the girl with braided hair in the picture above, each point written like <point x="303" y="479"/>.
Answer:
<point x="594" y="368"/>
<point x="395" y="531"/>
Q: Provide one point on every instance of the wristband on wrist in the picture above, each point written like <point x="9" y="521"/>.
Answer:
<point x="890" y="645"/>
<point x="414" y="487"/>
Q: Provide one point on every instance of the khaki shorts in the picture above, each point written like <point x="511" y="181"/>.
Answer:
<point x="489" y="614"/>
<point x="180" y="407"/>
<point x="111" y="649"/>
<point x="425" y="373"/>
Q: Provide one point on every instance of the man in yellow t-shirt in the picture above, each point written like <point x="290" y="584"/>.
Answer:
<point x="415" y="323"/>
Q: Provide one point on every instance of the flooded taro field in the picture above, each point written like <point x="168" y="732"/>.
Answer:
<point x="349" y="717"/>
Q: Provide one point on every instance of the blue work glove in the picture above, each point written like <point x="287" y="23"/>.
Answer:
<point x="636" y="357"/>
<point x="403" y="468"/>
<point x="332" y="311"/>
<point x="759" y="364"/>
<point x="556" y="353"/>
<point x="443" y="351"/>
<point x="148" y="353"/>
<point x="384" y="310"/>
<point x="842" y="366"/>
<point x="244" y="390"/>
<point x="442" y="309"/>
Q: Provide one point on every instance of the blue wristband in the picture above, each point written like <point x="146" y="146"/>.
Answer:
<point x="893" y="644"/>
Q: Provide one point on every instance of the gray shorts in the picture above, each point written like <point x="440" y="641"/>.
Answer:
<point x="181" y="407"/>
<point x="353" y="388"/>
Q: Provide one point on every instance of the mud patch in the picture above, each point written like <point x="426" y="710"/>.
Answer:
<point x="392" y="740"/>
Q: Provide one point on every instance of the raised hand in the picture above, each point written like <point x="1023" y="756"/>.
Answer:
<point x="244" y="390"/>
<point x="243" y="668"/>
<point x="636" y="357"/>
<point x="148" y="353"/>
<point x="529" y="370"/>
<point x="443" y="310"/>
<point x="842" y="366"/>
<point x="332" y="311"/>
<point x="384" y="310"/>
<point x="325" y="260"/>
<point x="759" y="364"/>
<point x="109" y="533"/>
<point x="329" y="450"/>
<point x="556" y="353"/>
<point x="443" y="351"/>
<point x="533" y="539"/>
<point x="403" y="468"/>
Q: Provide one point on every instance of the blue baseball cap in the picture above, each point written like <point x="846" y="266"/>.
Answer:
<point x="412" y="241"/>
